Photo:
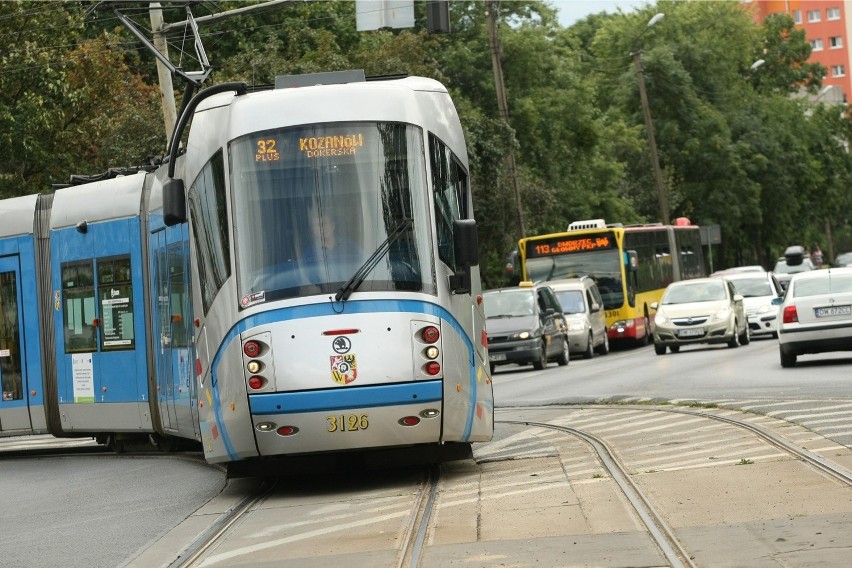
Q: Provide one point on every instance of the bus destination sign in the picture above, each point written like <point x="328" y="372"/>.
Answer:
<point x="568" y="245"/>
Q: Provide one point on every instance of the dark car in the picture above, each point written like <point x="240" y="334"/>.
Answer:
<point x="525" y="326"/>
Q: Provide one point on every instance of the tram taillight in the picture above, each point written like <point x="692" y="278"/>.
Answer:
<point x="431" y="334"/>
<point x="251" y="348"/>
<point x="432" y="368"/>
<point x="256" y="382"/>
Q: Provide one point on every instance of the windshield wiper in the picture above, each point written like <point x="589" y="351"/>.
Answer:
<point x="352" y="284"/>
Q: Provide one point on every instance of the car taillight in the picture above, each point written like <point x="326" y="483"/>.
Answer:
<point x="790" y="315"/>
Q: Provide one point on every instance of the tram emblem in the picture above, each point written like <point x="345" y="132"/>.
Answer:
<point x="344" y="368"/>
<point x="341" y="345"/>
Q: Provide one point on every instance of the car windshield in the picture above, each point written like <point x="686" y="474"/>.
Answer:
<point x="508" y="303"/>
<point x="753" y="287"/>
<point x="686" y="293"/>
<point x="572" y="301"/>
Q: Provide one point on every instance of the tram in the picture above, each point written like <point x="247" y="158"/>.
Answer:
<point x="301" y="275"/>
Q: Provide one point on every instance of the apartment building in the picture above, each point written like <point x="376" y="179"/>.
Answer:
<point x="828" y="28"/>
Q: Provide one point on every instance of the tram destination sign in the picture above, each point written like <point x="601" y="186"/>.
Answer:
<point x="570" y="244"/>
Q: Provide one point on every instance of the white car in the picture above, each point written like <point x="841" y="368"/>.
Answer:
<point x="816" y="314"/>
<point x="759" y="290"/>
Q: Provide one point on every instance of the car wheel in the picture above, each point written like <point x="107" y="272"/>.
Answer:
<point x="541" y="363"/>
<point x="603" y="348"/>
<point x="788" y="359"/>
<point x="674" y="348"/>
<point x="735" y="339"/>
<point x="745" y="338"/>
<point x="565" y="355"/>
<point x="590" y="348"/>
<point x="659" y="349"/>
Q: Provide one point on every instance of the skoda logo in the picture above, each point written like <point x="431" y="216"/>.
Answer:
<point x="341" y="345"/>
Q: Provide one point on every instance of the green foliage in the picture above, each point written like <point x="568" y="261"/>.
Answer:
<point x="738" y="146"/>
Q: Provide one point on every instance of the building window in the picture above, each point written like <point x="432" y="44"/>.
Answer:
<point x="835" y="42"/>
<point x="797" y="16"/>
<point x="838" y="71"/>
<point x="816" y="44"/>
<point x="833" y="13"/>
<point x="813" y="16"/>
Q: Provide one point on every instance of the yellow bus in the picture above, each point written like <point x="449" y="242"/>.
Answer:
<point x="631" y="264"/>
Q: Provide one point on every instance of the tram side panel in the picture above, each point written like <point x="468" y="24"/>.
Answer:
<point x="99" y="309"/>
<point x="22" y="403"/>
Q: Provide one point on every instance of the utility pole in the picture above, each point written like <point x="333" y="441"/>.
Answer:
<point x="652" y="143"/>
<point x="167" y="93"/>
<point x="497" y="66"/>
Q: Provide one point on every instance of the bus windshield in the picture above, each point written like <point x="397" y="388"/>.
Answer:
<point x="603" y="266"/>
<point x="312" y="204"/>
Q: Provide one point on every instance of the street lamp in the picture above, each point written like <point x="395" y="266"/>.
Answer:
<point x="649" y="125"/>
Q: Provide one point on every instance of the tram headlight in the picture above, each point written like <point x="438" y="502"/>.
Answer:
<point x="431" y="352"/>
<point x="253" y="366"/>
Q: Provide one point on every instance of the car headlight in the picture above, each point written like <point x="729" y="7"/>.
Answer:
<point x="576" y="326"/>
<point x="521" y="335"/>
<point x="723" y="314"/>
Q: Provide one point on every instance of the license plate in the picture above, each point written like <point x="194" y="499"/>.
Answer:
<point x="690" y="332"/>
<point x="833" y="311"/>
<point x="347" y="422"/>
<point x="496" y="356"/>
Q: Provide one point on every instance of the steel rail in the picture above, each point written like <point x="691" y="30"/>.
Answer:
<point x="662" y="535"/>
<point x="415" y="534"/>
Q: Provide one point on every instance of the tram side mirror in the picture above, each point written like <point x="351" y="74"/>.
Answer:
<point x="466" y="250"/>
<point x="631" y="260"/>
<point x="174" y="202"/>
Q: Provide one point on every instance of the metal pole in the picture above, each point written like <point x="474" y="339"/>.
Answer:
<point x="652" y="143"/>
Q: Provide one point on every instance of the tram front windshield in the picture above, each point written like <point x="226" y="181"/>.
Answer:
<point x="313" y="203"/>
<point x="603" y="266"/>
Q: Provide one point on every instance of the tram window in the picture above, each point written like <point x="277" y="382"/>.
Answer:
<point x="78" y="293"/>
<point x="115" y="291"/>
<point x="449" y="182"/>
<point x="10" y="341"/>
<point x="208" y="215"/>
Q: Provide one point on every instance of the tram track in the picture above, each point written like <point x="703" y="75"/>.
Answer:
<point x="663" y="535"/>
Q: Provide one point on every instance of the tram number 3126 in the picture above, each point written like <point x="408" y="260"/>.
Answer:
<point x="347" y="422"/>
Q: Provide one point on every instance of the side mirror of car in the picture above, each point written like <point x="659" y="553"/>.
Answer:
<point x="596" y="307"/>
<point x="654" y="305"/>
<point x="777" y="301"/>
<point x="738" y="297"/>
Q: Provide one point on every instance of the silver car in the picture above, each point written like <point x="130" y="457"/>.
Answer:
<point x="584" y="313"/>
<point x="702" y="310"/>
<point x="759" y="290"/>
<point x="816" y="314"/>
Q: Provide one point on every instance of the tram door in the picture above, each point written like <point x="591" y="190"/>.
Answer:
<point x="14" y="414"/>
<point x="174" y="356"/>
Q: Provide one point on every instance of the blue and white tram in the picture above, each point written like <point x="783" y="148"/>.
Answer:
<point x="303" y="278"/>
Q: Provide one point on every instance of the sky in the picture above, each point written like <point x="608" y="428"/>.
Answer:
<point x="572" y="10"/>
